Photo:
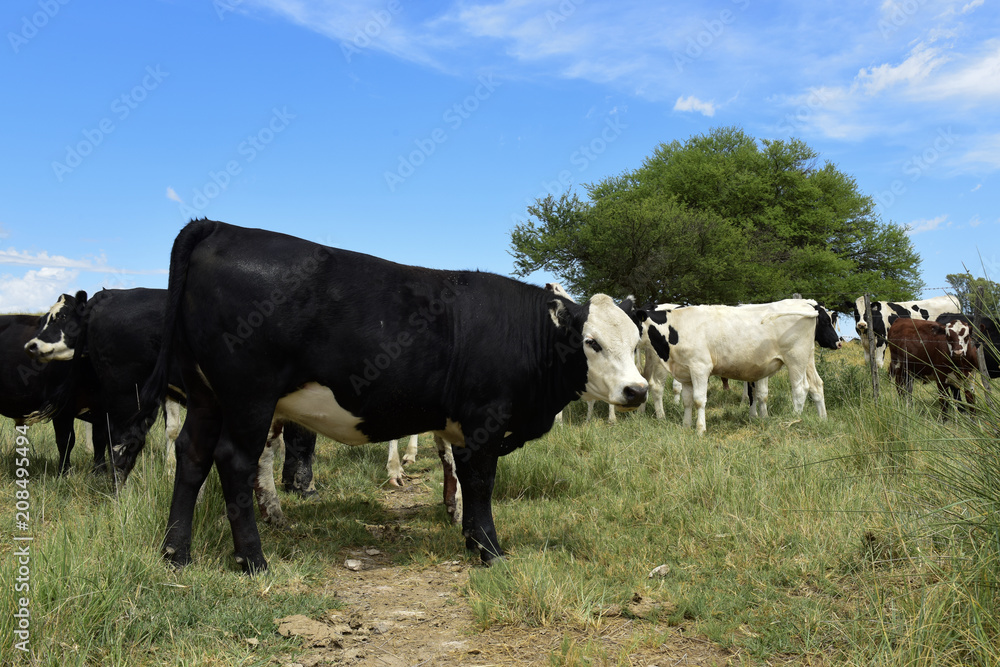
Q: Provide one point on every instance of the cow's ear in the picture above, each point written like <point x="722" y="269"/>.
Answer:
<point x="641" y="315"/>
<point x="81" y="302"/>
<point x="559" y="313"/>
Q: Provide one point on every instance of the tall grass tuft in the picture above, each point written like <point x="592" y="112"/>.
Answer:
<point x="944" y="608"/>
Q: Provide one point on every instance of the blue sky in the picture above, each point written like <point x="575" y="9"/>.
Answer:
<point x="420" y="132"/>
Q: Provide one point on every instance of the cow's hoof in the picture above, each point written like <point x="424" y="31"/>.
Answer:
<point x="175" y="557"/>
<point x="490" y="560"/>
<point x="304" y="494"/>
<point x="252" y="565"/>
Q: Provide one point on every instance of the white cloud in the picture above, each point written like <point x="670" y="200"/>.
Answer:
<point x="692" y="103"/>
<point x="984" y="155"/>
<point x="976" y="188"/>
<point x="44" y="259"/>
<point x="917" y="67"/>
<point x="173" y="196"/>
<point x="972" y="5"/>
<point x="920" y="226"/>
<point x="976" y="221"/>
<point x="36" y="290"/>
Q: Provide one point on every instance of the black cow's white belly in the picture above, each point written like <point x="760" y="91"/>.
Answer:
<point x="315" y="407"/>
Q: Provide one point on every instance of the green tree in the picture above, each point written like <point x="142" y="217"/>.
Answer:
<point x="721" y="218"/>
<point x="966" y="288"/>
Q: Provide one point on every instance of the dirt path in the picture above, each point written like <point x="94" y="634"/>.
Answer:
<point x="407" y="616"/>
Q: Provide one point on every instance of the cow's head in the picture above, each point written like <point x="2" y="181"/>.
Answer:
<point x="59" y="329"/>
<point x="959" y="335"/>
<point x="609" y="339"/>
<point x="826" y="333"/>
<point x="628" y="307"/>
<point x="860" y="323"/>
<point x="558" y="290"/>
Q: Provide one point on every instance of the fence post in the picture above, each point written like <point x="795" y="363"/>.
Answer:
<point x="978" y="305"/>
<point x="873" y="362"/>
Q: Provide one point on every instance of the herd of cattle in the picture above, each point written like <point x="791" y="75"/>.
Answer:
<point x="264" y="335"/>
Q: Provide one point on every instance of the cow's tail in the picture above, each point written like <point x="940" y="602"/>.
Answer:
<point x="154" y="392"/>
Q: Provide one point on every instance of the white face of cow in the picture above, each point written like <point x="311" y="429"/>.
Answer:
<point x="57" y="349"/>
<point x="609" y="342"/>
<point x="959" y="336"/>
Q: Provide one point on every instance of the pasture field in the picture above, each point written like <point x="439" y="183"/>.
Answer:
<point x="868" y="539"/>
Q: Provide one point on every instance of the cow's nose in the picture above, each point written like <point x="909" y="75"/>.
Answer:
<point x="31" y="347"/>
<point x="635" y="394"/>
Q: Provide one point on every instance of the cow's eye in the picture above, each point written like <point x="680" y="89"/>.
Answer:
<point x="594" y="345"/>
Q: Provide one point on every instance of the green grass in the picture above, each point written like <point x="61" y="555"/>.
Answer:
<point x="870" y="538"/>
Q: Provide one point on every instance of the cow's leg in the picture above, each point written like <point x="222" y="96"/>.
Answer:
<point x="300" y="450"/>
<point x="194" y="450"/>
<point x="699" y="387"/>
<point x="750" y="396"/>
<point x="477" y="474"/>
<point x="240" y="445"/>
<point x="880" y="346"/>
<point x="559" y="418"/>
<point x="655" y="396"/>
<point x="612" y="419"/>
<point x="760" y="396"/>
<point x="800" y="388"/>
<point x="263" y="486"/>
<point x="687" y="395"/>
<point x="677" y="392"/>
<point x="452" y="488"/>
<point x="590" y="410"/>
<point x="65" y="439"/>
<point x="393" y="467"/>
<point x="172" y="428"/>
<point x="411" y="449"/>
<point x="102" y="442"/>
<point x="815" y="383"/>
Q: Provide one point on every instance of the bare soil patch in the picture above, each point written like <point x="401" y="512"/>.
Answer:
<point x="396" y="616"/>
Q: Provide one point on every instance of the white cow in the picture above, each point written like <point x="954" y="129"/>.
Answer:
<point x="738" y="342"/>
<point x="653" y="368"/>
<point x="884" y="313"/>
<point x="393" y="465"/>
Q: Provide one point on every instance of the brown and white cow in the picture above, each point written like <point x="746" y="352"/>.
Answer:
<point x="932" y="351"/>
<point x="885" y="313"/>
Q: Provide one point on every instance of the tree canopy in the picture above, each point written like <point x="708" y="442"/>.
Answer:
<point x="966" y="289"/>
<point x="722" y="218"/>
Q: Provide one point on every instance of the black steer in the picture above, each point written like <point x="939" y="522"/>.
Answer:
<point x="28" y="388"/>
<point x="109" y="345"/>
<point x="269" y="327"/>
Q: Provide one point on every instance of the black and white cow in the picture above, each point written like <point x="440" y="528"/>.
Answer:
<point x="30" y="390"/>
<point x="271" y="328"/>
<point x="746" y="343"/>
<point x="884" y="313"/>
<point x="987" y="337"/>
<point x="826" y="336"/>
<point x="108" y="346"/>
